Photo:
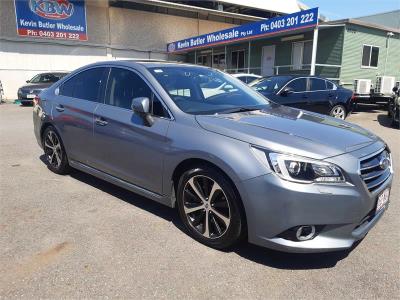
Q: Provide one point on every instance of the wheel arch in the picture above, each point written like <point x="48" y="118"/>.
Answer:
<point x="188" y="163"/>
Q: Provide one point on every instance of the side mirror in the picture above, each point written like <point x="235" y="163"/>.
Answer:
<point x="395" y="89"/>
<point x="28" y="81"/>
<point x="286" y="91"/>
<point x="141" y="106"/>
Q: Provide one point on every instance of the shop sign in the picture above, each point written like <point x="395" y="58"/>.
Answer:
<point x="52" y="19"/>
<point x="295" y="21"/>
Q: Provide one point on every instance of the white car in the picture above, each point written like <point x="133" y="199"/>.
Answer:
<point x="245" y="77"/>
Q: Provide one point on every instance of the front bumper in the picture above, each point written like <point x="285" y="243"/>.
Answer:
<point x="345" y="212"/>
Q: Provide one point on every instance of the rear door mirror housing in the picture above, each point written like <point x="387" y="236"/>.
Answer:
<point x="141" y="106"/>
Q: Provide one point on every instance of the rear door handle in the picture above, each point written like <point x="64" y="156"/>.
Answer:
<point x="60" y="108"/>
<point x="100" y="121"/>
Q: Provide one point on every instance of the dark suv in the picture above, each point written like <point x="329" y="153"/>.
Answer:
<point x="307" y="92"/>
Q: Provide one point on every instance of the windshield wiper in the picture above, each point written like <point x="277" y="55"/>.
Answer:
<point x="239" y="109"/>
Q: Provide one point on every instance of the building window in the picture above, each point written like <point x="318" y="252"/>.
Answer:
<point x="370" y="56"/>
<point x="237" y="61"/>
<point x="202" y="60"/>
<point x="301" y="55"/>
<point x="219" y="61"/>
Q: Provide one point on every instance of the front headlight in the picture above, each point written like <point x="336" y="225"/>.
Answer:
<point x="300" y="169"/>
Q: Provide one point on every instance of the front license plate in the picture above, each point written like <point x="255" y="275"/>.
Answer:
<point x="383" y="198"/>
<point x="30" y="96"/>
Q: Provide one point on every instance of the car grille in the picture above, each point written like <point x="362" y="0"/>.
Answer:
<point x="376" y="169"/>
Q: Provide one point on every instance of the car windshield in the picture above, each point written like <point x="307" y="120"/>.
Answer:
<point x="198" y="90"/>
<point x="270" y="84"/>
<point x="46" y="78"/>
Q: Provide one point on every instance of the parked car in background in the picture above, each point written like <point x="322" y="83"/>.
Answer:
<point x="394" y="107"/>
<point x="307" y="92"/>
<point x="235" y="164"/>
<point x="246" y="78"/>
<point x="38" y="83"/>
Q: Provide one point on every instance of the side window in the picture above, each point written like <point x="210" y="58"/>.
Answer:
<point x="317" y="84"/>
<point x="298" y="85"/>
<point x="329" y="85"/>
<point x="67" y="88"/>
<point x="124" y="85"/>
<point x="85" y="85"/>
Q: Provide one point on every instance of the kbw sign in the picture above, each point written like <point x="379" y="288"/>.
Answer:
<point x="54" y="19"/>
<point x="299" y="20"/>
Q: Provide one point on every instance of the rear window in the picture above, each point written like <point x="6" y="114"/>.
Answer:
<point x="317" y="84"/>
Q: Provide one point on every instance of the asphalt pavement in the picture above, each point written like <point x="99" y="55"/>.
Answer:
<point x="77" y="236"/>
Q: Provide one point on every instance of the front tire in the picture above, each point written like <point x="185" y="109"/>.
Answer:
<point x="210" y="207"/>
<point x="338" y="111"/>
<point x="54" y="151"/>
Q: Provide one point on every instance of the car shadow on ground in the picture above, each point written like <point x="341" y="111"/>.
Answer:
<point x="260" y="255"/>
<point x="368" y="108"/>
<point x="386" y="121"/>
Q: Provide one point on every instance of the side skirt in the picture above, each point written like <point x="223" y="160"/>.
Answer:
<point x="121" y="183"/>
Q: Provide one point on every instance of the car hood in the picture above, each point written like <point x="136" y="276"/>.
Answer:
<point x="284" y="129"/>
<point x="36" y="86"/>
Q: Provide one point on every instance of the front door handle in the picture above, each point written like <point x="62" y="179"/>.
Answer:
<point x="60" y="108"/>
<point x="100" y="121"/>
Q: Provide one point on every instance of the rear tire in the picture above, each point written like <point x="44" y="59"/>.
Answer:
<point x="210" y="207"/>
<point x="339" y="112"/>
<point x="54" y="151"/>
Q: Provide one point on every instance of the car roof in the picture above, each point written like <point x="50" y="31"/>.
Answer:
<point x="147" y="63"/>
<point x="245" y="74"/>
<point x="296" y="76"/>
<point x="58" y="73"/>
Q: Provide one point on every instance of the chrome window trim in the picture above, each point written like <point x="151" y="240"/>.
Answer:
<point x="293" y="80"/>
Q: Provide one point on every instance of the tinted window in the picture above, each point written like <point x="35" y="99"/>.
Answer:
<point x="269" y="84"/>
<point x="298" y="85"/>
<point x="86" y="85"/>
<point x="329" y="85"/>
<point x="124" y="85"/>
<point x="317" y="84"/>
<point x="242" y="78"/>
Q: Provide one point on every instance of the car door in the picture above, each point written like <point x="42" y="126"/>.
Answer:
<point x="319" y="96"/>
<point x="73" y="110"/>
<point x="297" y="97"/>
<point x="125" y="146"/>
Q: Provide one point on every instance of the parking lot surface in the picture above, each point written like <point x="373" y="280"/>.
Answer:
<point x="77" y="236"/>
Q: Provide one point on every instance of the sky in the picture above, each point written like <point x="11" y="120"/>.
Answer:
<point x="343" y="9"/>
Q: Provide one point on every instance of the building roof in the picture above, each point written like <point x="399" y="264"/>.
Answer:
<point x="388" y="19"/>
<point x="362" y="23"/>
<point x="279" y="6"/>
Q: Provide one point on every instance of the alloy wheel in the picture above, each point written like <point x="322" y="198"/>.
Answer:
<point x="338" y="112"/>
<point x="52" y="148"/>
<point x="206" y="206"/>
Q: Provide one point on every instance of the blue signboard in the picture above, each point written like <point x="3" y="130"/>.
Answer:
<point x="53" y="19"/>
<point x="299" y="20"/>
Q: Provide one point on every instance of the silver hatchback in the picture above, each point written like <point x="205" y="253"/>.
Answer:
<point x="235" y="164"/>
